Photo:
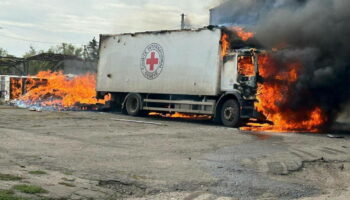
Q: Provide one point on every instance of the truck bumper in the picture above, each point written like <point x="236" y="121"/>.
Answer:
<point x="248" y="109"/>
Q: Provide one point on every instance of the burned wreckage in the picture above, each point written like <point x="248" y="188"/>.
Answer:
<point x="184" y="71"/>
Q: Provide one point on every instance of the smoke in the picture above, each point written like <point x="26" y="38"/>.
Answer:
<point x="248" y="12"/>
<point x="315" y="33"/>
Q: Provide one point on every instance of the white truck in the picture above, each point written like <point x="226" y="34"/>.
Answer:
<point x="178" y="71"/>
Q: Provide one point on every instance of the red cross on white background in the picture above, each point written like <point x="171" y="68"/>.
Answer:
<point x="152" y="61"/>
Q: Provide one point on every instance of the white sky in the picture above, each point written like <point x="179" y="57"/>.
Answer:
<point x="77" y="21"/>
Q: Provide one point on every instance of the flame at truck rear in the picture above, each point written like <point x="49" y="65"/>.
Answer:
<point x="57" y="91"/>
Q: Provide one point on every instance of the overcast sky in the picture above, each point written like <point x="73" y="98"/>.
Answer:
<point x="46" y="23"/>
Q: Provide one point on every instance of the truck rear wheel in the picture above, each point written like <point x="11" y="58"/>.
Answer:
<point x="230" y="115"/>
<point x="133" y="105"/>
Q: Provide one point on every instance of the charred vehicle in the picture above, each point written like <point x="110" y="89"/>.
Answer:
<point x="184" y="71"/>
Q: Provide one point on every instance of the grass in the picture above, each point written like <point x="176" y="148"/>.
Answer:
<point x="29" y="189"/>
<point x="9" y="195"/>
<point x="66" y="184"/>
<point x="9" y="177"/>
<point x="37" y="172"/>
<point x="67" y="173"/>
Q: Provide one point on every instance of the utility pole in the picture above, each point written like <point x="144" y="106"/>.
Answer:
<point x="182" y="21"/>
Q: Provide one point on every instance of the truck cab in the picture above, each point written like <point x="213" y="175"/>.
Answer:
<point x="240" y="72"/>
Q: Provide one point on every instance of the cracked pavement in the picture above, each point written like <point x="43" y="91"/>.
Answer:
<point x="90" y="155"/>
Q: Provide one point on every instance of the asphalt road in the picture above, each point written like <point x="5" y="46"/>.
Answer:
<point x="93" y="155"/>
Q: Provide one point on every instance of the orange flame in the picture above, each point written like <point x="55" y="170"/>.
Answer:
<point x="244" y="35"/>
<point x="19" y="85"/>
<point x="181" y="115"/>
<point x="246" y="66"/>
<point x="225" y="38"/>
<point x="15" y="87"/>
<point x="59" y="90"/>
<point x="225" y="44"/>
<point x="271" y="94"/>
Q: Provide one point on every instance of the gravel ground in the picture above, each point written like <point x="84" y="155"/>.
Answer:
<point x="93" y="155"/>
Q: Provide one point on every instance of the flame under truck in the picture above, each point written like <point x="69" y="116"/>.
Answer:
<point x="180" y="71"/>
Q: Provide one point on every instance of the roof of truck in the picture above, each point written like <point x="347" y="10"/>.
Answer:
<point x="163" y="31"/>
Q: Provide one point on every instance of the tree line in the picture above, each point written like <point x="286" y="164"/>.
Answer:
<point x="89" y="52"/>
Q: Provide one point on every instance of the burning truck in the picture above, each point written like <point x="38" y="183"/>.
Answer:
<point x="182" y="71"/>
<point x="300" y="84"/>
<point x="213" y="72"/>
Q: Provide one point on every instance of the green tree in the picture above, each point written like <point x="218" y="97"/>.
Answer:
<point x="67" y="49"/>
<point x="32" y="52"/>
<point x="34" y="66"/>
<point x="7" y="65"/>
<point x="92" y="50"/>
<point x="3" y="52"/>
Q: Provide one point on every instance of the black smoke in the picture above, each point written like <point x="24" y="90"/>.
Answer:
<point x="248" y="12"/>
<point x="315" y="33"/>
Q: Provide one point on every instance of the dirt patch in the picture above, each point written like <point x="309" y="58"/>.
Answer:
<point x="136" y="160"/>
<point x="124" y="189"/>
<point x="327" y="174"/>
<point x="333" y="177"/>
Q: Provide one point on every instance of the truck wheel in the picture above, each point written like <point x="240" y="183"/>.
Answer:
<point x="230" y="115"/>
<point x="133" y="105"/>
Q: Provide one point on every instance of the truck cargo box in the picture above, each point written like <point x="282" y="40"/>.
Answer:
<point x="185" y="62"/>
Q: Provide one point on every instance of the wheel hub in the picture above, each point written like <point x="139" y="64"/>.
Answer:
<point x="133" y="104"/>
<point x="228" y="113"/>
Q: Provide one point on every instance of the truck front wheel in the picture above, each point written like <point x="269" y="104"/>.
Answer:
<point x="133" y="104"/>
<point x="230" y="115"/>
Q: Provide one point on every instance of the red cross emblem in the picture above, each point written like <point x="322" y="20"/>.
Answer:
<point x="152" y="61"/>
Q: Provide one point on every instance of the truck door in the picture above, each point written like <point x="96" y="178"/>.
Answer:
<point x="247" y="69"/>
<point x="229" y="73"/>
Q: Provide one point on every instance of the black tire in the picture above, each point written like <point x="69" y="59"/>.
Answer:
<point x="230" y="113"/>
<point x="133" y="105"/>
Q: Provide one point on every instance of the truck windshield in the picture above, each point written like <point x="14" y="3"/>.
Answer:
<point x="246" y="66"/>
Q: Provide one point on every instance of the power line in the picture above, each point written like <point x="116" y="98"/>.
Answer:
<point x="36" y="41"/>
